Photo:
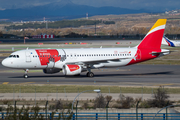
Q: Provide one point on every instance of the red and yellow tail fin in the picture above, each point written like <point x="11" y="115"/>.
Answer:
<point x="154" y="37"/>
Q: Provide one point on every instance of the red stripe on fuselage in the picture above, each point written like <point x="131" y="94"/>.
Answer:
<point x="46" y="54"/>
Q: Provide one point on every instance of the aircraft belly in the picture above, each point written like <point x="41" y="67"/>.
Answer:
<point x="115" y="64"/>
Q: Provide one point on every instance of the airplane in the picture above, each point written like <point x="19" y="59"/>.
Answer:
<point x="72" y="62"/>
<point x="171" y="43"/>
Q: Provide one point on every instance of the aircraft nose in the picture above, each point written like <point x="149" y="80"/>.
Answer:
<point x="5" y="63"/>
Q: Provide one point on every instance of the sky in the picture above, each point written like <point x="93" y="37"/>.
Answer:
<point x="133" y="4"/>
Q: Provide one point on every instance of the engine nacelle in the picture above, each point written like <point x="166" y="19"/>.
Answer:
<point x="72" y="69"/>
<point x="51" y="71"/>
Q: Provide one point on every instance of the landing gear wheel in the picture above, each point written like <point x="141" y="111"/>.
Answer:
<point x="25" y="76"/>
<point x="26" y="73"/>
<point x="90" y="74"/>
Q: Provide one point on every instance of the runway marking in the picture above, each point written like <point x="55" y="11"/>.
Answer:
<point x="26" y="83"/>
<point x="163" y="84"/>
<point x="5" y="83"/>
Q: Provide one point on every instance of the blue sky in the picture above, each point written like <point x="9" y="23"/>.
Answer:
<point x="133" y="4"/>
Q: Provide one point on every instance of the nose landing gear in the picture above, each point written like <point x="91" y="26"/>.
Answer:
<point x="26" y="73"/>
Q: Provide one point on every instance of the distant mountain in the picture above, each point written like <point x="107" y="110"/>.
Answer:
<point x="65" y="9"/>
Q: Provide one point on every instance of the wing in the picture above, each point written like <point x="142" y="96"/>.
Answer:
<point x="91" y="62"/>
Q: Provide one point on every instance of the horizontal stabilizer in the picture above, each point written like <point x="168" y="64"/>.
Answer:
<point x="157" y="53"/>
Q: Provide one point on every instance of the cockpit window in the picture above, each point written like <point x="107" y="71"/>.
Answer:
<point x="14" y="56"/>
<point x="10" y="56"/>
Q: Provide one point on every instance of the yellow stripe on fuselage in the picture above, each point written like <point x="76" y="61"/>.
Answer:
<point x="159" y="23"/>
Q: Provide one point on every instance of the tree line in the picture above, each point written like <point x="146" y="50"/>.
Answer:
<point x="59" y="24"/>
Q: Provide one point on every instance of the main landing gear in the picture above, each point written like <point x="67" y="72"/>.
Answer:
<point x="90" y="74"/>
<point x="26" y="73"/>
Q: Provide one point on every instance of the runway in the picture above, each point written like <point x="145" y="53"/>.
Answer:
<point x="134" y="75"/>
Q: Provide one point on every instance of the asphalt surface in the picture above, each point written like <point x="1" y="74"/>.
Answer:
<point x="134" y="75"/>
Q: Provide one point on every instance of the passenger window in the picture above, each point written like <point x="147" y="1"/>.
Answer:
<point x="17" y="56"/>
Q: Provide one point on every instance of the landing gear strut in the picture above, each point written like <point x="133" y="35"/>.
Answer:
<point x="26" y="73"/>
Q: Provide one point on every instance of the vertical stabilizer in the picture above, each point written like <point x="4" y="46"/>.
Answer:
<point x="154" y="37"/>
<point x="166" y="41"/>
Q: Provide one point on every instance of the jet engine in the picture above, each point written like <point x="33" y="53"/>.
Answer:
<point x="51" y="71"/>
<point x="71" y="69"/>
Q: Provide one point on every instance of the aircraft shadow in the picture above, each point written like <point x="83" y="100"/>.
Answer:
<point x="138" y="74"/>
<point x="98" y="75"/>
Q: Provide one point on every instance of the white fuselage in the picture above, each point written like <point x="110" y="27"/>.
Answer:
<point x="30" y="59"/>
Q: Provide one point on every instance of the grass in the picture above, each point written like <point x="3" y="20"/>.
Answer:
<point x="78" y="88"/>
